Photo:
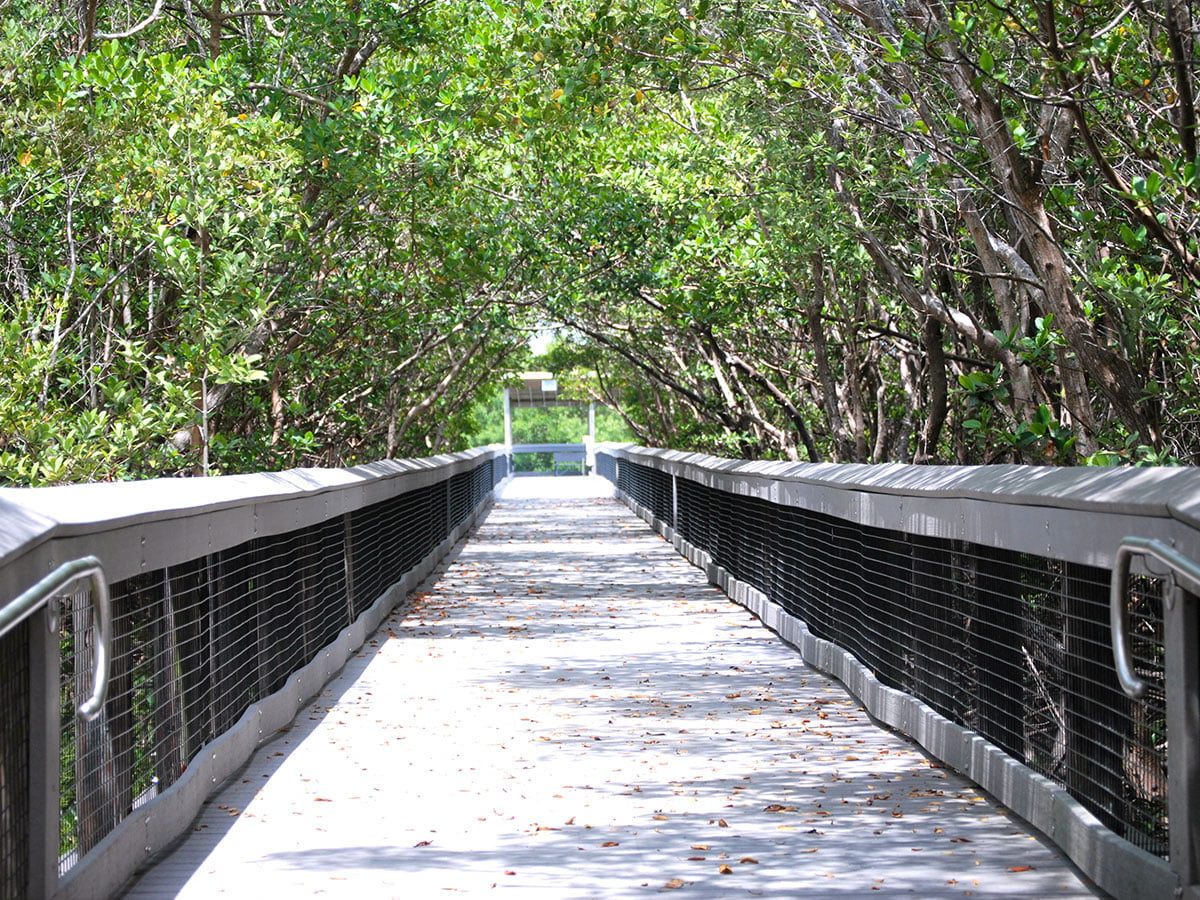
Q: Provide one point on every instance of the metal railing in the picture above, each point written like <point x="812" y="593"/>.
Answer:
<point x="1181" y="664"/>
<point x="978" y="610"/>
<point x="233" y="600"/>
<point x="48" y="590"/>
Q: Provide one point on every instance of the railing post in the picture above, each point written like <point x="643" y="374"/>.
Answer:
<point x="674" y="502"/>
<point x="1181" y="621"/>
<point x="44" y="738"/>
<point x="348" y="553"/>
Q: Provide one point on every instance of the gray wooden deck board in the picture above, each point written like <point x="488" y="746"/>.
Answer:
<point x="571" y="711"/>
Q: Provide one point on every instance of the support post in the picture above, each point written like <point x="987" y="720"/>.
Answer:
<point x="674" y="502"/>
<point x="1181" y="630"/>
<point x="508" y="442"/>
<point x="44" y="733"/>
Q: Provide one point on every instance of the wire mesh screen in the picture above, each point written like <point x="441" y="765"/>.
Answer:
<point x="14" y="763"/>
<point x="388" y="539"/>
<point x="648" y="487"/>
<point x="606" y="467"/>
<point x="194" y="645"/>
<point x="1014" y="646"/>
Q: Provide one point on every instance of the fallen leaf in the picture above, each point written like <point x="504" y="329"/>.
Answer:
<point x="1020" y="868"/>
<point x="960" y="840"/>
<point x="697" y="858"/>
<point x="673" y="884"/>
<point x="778" y="807"/>
<point x="659" y="818"/>
<point x="725" y="870"/>
<point x="422" y="843"/>
<point x="721" y="823"/>
<point x="700" y="846"/>
<point x="611" y="844"/>
<point x="748" y="861"/>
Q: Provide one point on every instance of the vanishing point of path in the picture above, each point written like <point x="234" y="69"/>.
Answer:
<point x="570" y="711"/>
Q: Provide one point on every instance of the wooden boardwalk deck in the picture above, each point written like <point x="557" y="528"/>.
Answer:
<point x="570" y="710"/>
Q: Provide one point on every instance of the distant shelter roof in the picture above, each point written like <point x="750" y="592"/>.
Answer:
<point x="538" y="389"/>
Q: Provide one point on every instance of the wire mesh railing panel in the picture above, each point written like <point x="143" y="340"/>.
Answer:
<point x="481" y="484"/>
<point x="606" y="466"/>
<point x="694" y="513"/>
<point x="14" y="763"/>
<point x="195" y="644"/>
<point x="649" y="488"/>
<point x="1013" y="645"/>
<point x="459" y="487"/>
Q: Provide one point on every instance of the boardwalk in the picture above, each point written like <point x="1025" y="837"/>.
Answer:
<point x="571" y="711"/>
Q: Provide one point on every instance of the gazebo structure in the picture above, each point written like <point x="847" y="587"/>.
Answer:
<point x="540" y="390"/>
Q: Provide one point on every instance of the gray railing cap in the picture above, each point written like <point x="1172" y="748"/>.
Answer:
<point x="21" y="527"/>
<point x="29" y="516"/>
<point x="1152" y="491"/>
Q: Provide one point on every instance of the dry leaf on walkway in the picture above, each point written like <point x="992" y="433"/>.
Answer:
<point x="725" y="870"/>
<point x="674" y="884"/>
<point x="1020" y="868"/>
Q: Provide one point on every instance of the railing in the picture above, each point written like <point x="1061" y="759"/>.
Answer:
<point x="972" y="609"/>
<point x="46" y="591"/>
<point x="233" y="601"/>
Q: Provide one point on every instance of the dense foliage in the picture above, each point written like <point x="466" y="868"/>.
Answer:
<point x="916" y="231"/>
<point x="240" y="235"/>
<point x="245" y="238"/>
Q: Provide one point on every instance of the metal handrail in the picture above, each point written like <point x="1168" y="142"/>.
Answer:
<point x="29" y="602"/>
<point x="1185" y="571"/>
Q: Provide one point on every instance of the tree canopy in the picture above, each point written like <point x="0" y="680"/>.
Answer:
<point x="239" y="235"/>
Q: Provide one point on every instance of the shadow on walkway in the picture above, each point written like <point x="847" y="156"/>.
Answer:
<point x="571" y="711"/>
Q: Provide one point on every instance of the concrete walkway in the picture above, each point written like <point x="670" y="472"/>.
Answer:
<point x="570" y="710"/>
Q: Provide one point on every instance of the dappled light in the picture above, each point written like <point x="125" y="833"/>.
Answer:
<point x="561" y="723"/>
